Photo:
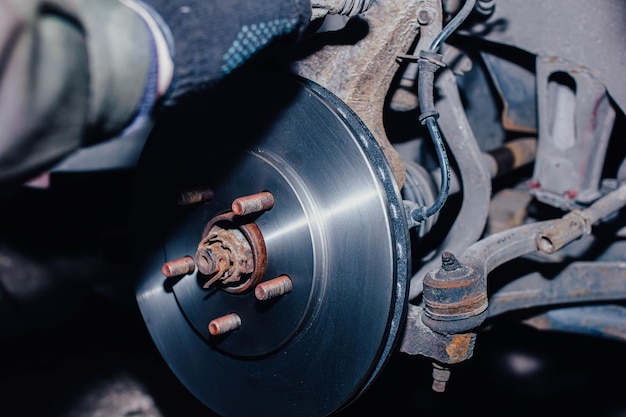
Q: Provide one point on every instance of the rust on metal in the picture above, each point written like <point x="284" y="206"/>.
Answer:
<point x="194" y="196"/>
<point x="232" y="253"/>
<point x="460" y="346"/>
<point x="469" y="304"/>
<point x="445" y="348"/>
<point x="455" y="297"/>
<point x="273" y="288"/>
<point x="563" y="231"/>
<point x="177" y="267"/>
<point x="226" y="255"/>
<point x="254" y="203"/>
<point x="453" y="290"/>
<point x="361" y="73"/>
<point x="225" y="324"/>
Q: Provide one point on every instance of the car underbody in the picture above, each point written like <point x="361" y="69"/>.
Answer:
<point x="418" y="207"/>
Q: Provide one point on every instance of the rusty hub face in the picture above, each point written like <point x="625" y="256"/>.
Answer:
<point x="231" y="253"/>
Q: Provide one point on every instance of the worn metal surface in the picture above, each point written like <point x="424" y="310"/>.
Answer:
<point x="254" y="203"/>
<point x="499" y="248"/>
<point x="430" y="19"/>
<point x="183" y="266"/>
<point x="361" y="73"/>
<point x="576" y="118"/>
<point x="232" y="252"/>
<point x="516" y="86"/>
<point x="194" y="195"/>
<point x="455" y="297"/>
<point x="601" y="321"/>
<point x="578" y="282"/>
<point x="547" y="28"/>
<point x="224" y="324"/>
<point x="273" y="288"/>
<point x="419" y="339"/>
<point x="484" y="256"/>
<point x="316" y="348"/>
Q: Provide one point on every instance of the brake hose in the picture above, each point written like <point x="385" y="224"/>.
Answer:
<point x="428" y="63"/>
<point x="452" y="25"/>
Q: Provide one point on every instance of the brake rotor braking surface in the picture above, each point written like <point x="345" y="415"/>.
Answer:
<point x="336" y="231"/>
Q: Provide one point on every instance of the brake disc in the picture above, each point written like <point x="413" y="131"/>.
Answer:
<point x="273" y="249"/>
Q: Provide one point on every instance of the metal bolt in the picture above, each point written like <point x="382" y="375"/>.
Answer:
<point x="424" y="18"/>
<point x="194" y="196"/>
<point x="225" y="324"/>
<point x="449" y="262"/>
<point x="441" y="375"/>
<point x="254" y="203"/>
<point x="182" y="266"/>
<point x="273" y="288"/>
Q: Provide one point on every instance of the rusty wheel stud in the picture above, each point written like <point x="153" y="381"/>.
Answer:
<point x="193" y="196"/>
<point x="225" y="324"/>
<point x="177" y="267"/>
<point x="254" y="203"/>
<point x="273" y="288"/>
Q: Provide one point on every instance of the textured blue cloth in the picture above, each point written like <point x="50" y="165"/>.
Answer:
<point x="212" y="38"/>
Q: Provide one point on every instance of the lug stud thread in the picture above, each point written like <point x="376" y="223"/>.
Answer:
<point x="194" y="196"/>
<point x="177" y="267"/>
<point x="273" y="288"/>
<point x="254" y="203"/>
<point x="225" y="324"/>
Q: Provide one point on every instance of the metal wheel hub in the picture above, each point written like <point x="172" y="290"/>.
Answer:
<point x="296" y="301"/>
<point x="232" y="252"/>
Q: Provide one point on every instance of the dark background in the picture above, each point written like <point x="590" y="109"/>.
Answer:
<point x="101" y="362"/>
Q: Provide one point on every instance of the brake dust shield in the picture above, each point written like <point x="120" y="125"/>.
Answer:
<point x="273" y="249"/>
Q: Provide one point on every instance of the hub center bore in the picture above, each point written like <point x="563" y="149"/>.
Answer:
<point x="232" y="253"/>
